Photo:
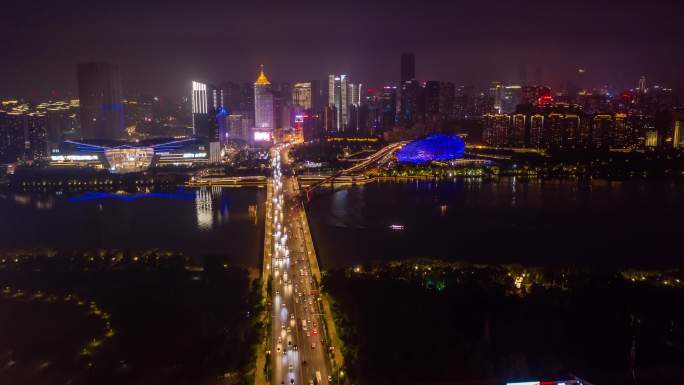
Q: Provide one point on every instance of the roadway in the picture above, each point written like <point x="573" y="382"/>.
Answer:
<point x="378" y="158"/>
<point x="298" y="349"/>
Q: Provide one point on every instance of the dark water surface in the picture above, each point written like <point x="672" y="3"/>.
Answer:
<point x="195" y="221"/>
<point x="632" y="223"/>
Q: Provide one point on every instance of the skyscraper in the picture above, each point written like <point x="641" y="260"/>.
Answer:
<point x="642" y="84"/>
<point x="412" y="102"/>
<point x="209" y="117"/>
<point x="302" y="95"/>
<point x="232" y="96"/>
<point x="338" y="99"/>
<point x="23" y="135"/>
<point x="388" y="107"/>
<point x="432" y="91"/>
<point x="411" y="91"/>
<point x="263" y="108"/>
<point x="355" y="94"/>
<point x="99" y="90"/>
<point x="408" y="67"/>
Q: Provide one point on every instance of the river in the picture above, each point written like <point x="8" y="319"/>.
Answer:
<point x="632" y="223"/>
<point x="198" y="222"/>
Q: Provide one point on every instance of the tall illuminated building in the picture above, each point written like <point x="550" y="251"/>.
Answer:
<point x="678" y="129"/>
<point x="512" y="95"/>
<point x="412" y="102"/>
<point x="302" y="95"/>
<point x="355" y="94"/>
<point x="432" y="90"/>
<point x="209" y="117"/>
<point x="388" y="108"/>
<point x="497" y="91"/>
<point x="338" y="98"/>
<point x="99" y="91"/>
<point x="263" y="109"/>
<point x="355" y="112"/>
<point x="642" y="84"/>
<point x="23" y="135"/>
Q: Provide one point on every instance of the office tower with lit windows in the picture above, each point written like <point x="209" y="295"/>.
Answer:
<point x="23" y="135"/>
<point x="355" y="115"/>
<point x="388" y="107"/>
<point x="411" y="92"/>
<point x="432" y="90"/>
<point x="447" y="96"/>
<point x="355" y="94"/>
<point x="678" y="129"/>
<point x="263" y="103"/>
<point x="512" y="96"/>
<point x="99" y="90"/>
<point x="412" y="102"/>
<point x="209" y="117"/>
<point x="497" y="94"/>
<point x="338" y="99"/>
<point x="302" y="95"/>
<point x="264" y="109"/>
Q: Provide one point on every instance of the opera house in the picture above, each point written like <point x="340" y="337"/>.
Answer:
<point x="435" y="147"/>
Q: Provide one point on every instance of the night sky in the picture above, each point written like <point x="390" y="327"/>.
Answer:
<point x="160" y="47"/>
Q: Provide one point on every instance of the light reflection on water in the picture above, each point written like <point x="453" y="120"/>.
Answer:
<point x="194" y="221"/>
<point x="503" y="220"/>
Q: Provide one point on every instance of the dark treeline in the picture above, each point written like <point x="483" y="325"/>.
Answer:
<point x="409" y="323"/>
<point x="173" y="323"/>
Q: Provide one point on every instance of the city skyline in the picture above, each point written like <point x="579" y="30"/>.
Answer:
<point x="350" y="193"/>
<point x="160" y="51"/>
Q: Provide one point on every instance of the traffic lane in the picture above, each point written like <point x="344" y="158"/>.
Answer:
<point x="315" y="357"/>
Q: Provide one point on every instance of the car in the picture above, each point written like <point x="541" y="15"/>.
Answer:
<point x="289" y="329"/>
<point x="284" y="351"/>
<point x="289" y="343"/>
<point x="280" y="339"/>
<point x="313" y="345"/>
<point x="296" y="347"/>
<point x="329" y="378"/>
<point x="290" y="367"/>
<point x="292" y="317"/>
<point x="277" y="292"/>
<point x="282" y="304"/>
<point x="291" y="380"/>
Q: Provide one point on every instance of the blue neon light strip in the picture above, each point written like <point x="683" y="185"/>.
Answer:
<point x="162" y="147"/>
<point x="102" y="195"/>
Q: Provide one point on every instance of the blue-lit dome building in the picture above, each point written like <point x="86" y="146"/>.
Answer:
<point x="438" y="147"/>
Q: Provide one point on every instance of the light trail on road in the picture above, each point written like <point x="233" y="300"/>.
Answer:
<point x="299" y="353"/>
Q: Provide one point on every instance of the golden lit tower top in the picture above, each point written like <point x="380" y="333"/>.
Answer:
<point x="262" y="80"/>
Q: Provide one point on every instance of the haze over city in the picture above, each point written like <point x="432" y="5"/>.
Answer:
<point x="161" y="47"/>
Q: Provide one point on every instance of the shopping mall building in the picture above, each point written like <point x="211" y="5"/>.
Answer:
<point x="123" y="157"/>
